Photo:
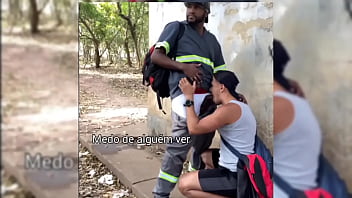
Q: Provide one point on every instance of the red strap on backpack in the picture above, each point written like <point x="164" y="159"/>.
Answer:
<point x="317" y="193"/>
<point x="312" y="193"/>
<point x="258" y="166"/>
<point x="257" y="170"/>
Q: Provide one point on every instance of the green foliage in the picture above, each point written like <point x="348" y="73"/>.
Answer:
<point x="109" y="27"/>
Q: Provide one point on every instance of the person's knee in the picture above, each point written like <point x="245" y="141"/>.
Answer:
<point x="184" y="184"/>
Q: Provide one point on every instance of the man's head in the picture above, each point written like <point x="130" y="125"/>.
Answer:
<point x="197" y="12"/>
<point x="224" y="82"/>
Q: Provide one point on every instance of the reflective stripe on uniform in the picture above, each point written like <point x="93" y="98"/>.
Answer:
<point x="220" y="68"/>
<point x="168" y="177"/>
<point x="164" y="44"/>
<point x="194" y="58"/>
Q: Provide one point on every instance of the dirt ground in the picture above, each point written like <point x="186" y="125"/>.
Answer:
<point x="35" y="97"/>
<point x="39" y="104"/>
<point x="108" y="101"/>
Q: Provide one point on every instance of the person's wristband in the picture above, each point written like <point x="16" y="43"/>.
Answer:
<point x="188" y="103"/>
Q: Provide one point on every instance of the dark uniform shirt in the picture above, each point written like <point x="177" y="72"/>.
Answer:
<point x="192" y="48"/>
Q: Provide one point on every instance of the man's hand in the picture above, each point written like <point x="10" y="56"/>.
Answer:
<point x="296" y="88"/>
<point x="186" y="88"/>
<point x="192" y="71"/>
<point x="244" y="100"/>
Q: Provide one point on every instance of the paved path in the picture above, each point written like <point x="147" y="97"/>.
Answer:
<point x="136" y="168"/>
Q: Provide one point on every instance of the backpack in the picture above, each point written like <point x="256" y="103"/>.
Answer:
<point x="261" y="149"/>
<point x="253" y="176"/>
<point x="330" y="180"/>
<point x="158" y="77"/>
<point x="330" y="185"/>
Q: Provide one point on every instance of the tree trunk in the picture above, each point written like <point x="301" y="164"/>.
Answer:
<point x="132" y="29"/>
<point x="135" y="42"/>
<point x="117" y="55"/>
<point x="110" y="56"/>
<point x="127" y="50"/>
<point x="86" y="51"/>
<point x="141" y="40"/>
<point x="34" y="17"/>
<point x="96" y="54"/>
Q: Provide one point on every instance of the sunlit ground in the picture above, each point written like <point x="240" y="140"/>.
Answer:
<point x="112" y="76"/>
<point x="130" y="112"/>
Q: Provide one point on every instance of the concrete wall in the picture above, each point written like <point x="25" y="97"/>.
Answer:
<point x="318" y="36"/>
<point x="244" y="31"/>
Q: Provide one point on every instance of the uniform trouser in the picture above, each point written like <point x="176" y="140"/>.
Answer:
<point x="175" y="154"/>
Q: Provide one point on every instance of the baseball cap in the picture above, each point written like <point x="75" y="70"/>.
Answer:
<point x="205" y="5"/>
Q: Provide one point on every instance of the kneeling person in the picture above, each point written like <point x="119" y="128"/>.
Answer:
<point x="235" y="123"/>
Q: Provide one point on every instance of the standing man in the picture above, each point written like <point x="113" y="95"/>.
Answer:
<point x="198" y="57"/>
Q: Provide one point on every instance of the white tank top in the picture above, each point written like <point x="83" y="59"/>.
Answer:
<point x="240" y="135"/>
<point x="297" y="148"/>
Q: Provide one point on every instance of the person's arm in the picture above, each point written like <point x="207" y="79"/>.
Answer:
<point x="190" y="70"/>
<point x="159" y="58"/>
<point x="166" y="42"/>
<point x="219" y="118"/>
<point x="219" y="63"/>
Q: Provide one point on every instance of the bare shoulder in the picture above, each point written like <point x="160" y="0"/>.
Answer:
<point x="231" y="112"/>
<point x="282" y="104"/>
<point x="283" y="113"/>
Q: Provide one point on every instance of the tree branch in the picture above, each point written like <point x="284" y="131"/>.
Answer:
<point x="88" y="28"/>
<point x="120" y="12"/>
<point x="86" y="36"/>
<point x="109" y="42"/>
